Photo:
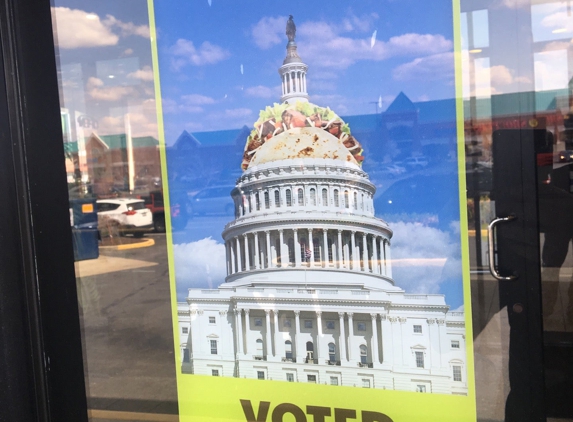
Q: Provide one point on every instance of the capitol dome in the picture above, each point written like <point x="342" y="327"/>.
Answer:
<point x="302" y="143"/>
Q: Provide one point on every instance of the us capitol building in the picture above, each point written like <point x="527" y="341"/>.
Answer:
<point x="309" y="296"/>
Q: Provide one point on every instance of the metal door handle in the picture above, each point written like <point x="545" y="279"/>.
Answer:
<point x="491" y="244"/>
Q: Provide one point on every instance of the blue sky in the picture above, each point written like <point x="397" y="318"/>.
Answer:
<point x="203" y="46"/>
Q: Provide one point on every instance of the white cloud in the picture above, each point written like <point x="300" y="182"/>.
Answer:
<point x="238" y="112"/>
<point x="142" y="119"/>
<point x="260" y="91"/>
<point x="424" y="257"/>
<point x="437" y="66"/>
<point x="323" y="47"/>
<point x="339" y="45"/>
<point x="515" y="4"/>
<point x="75" y="30"/>
<point x="269" y="32"/>
<point x="197" y="99"/>
<point x="127" y="28"/>
<point x="200" y="264"/>
<point x="145" y="74"/>
<point x="185" y="53"/>
<point x="192" y="103"/>
<point x="96" y="90"/>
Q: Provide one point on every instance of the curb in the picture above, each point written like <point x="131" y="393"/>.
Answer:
<point x="144" y="244"/>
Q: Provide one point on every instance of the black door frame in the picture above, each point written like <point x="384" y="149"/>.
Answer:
<point x="40" y="340"/>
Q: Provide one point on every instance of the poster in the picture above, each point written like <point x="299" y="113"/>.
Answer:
<point x="314" y="162"/>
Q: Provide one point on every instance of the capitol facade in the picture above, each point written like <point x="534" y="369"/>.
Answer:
<point x="309" y="294"/>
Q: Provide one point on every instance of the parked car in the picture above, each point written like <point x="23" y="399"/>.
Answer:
<point x="123" y="216"/>
<point x="213" y="200"/>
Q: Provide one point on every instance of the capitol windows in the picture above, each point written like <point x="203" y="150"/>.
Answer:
<point x="212" y="320"/>
<point x="290" y="377"/>
<point x="330" y="244"/>
<point x="186" y="355"/>
<point x="457" y="372"/>
<point x="258" y="201"/>
<point x="418" y="329"/>
<point x="311" y="379"/>
<point x="309" y="351"/>
<point x="333" y="380"/>
<point x="288" y="198"/>
<point x="267" y="201"/>
<point x="455" y="344"/>
<point x="346" y="199"/>
<point x="260" y="375"/>
<point x="307" y="323"/>
<point x="316" y="247"/>
<point x="365" y="383"/>
<point x="363" y="354"/>
<point x="291" y="251"/>
<point x="185" y="330"/>
<point x="325" y="197"/>
<point x="288" y="350"/>
<point x="215" y="372"/>
<point x="258" y="322"/>
<point x="331" y="352"/>
<point x="355" y="201"/>
<point x="259" y="348"/>
<point x="361" y="326"/>
<point x="277" y="199"/>
<point x="287" y="323"/>
<point x="330" y="325"/>
<point x="419" y="359"/>
<point x="313" y="197"/>
<point x="213" y="347"/>
<point x="420" y="388"/>
<point x="336" y="200"/>
<point x="300" y="195"/>
<point x="362" y="204"/>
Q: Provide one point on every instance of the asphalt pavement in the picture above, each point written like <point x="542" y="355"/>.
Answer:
<point x="127" y="330"/>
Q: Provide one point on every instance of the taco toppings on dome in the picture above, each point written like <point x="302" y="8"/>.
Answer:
<point x="280" y="117"/>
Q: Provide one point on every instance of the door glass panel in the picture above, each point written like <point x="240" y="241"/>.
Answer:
<point x="513" y="77"/>
<point x="112" y="163"/>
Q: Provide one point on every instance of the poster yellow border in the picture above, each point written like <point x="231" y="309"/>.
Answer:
<point x="217" y="399"/>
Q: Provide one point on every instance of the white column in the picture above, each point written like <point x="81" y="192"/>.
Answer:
<point x="256" y="235"/>
<point x="233" y="256"/>
<point x="319" y="334"/>
<point x="350" y="335"/>
<point x="388" y="260"/>
<point x="281" y="247"/>
<point x="269" y="255"/>
<point x="375" y="267"/>
<point x="387" y="356"/>
<point x="239" y="258"/>
<point x="342" y="341"/>
<point x="239" y="331"/>
<point x="283" y="84"/>
<point x="247" y="329"/>
<point x="247" y="258"/>
<point x="340" y="257"/>
<point x="375" y="358"/>
<point x="365" y="252"/>
<point x="383" y="262"/>
<point x="354" y="254"/>
<point x="296" y="248"/>
<point x="277" y="333"/>
<point x="299" y="356"/>
<point x="304" y="82"/>
<point x="311" y="247"/>
<point x="268" y="333"/>
<point x="227" y="258"/>
<point x="324" y="248"/>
